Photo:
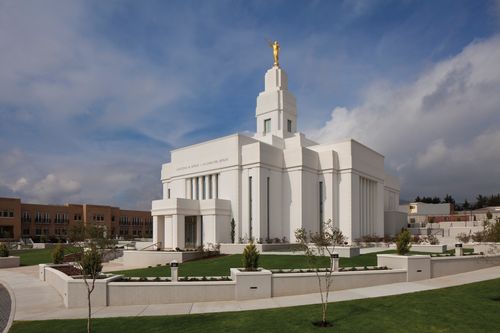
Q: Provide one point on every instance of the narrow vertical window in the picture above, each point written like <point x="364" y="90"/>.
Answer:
<point x="250" y="207"/>
<point x="168" y="193"/>
<point x="289" y="125"/>
<point x="321" y="207"/>
<point x="268" y="206"/>
<point x="203" y="188"/>
<point x="267" y="126"/>
<point x="217" y="186"/>
<point x="210" y="187"/>
<point x="197" y="188"/>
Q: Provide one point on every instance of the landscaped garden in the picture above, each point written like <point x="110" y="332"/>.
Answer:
<point x="440" y="310"/>
<point x="219" y="266"/>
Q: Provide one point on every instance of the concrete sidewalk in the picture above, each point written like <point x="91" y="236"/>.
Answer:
<point x="36" y="300"/>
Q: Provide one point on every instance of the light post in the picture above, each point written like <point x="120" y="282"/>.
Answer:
<point x="334" y="258"/>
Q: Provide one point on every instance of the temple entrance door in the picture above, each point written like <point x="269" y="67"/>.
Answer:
<point x="190" y="232"/>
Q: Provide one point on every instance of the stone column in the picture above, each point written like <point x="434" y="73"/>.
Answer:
<point x="158" y="230"/>
<point x="200" y="188"/>
<point x="178" y="231"/>
<point x="190" y="189"/>
<point x="207" y="187"/>
<point x="167" y="243"/>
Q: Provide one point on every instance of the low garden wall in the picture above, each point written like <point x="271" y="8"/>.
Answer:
<point x="426" y="248"/>
<point x="486" y="248"/>
<point x="152" y="258"/>
<point x="230" y="248"/>
<point x="288" y="284"/>
<point x="8" y="262"/>
<point x="343" y="251"/>
<point x="256" y="285"/>
<point x="453" y="265"/>
<point x="424" y="267"/>
<point x="44" y="245"/>
<point x="131" y="293"/>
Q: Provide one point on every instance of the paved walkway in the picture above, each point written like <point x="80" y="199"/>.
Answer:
<point x="35" y="300"/>
<point x="5" y="307"/>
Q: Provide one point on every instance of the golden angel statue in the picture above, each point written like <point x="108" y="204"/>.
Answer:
<point x="276" y="52"/>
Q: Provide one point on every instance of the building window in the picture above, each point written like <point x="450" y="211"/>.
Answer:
<point x="289" y="125"/>
<point x="168" y="193"/>
<point x="210" y="189"/>
<point x="217" y="186"/>
<point x="197" y="188"/>
<point x="267" y="126"/>
<point x="250" y="207"/>
<point x="268" y="205"/>
<point x="7" y="213"/>
<point x="321" y="207"/>
<point x="203" y="188"/>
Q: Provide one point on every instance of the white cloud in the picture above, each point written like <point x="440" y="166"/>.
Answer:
<point x="444" y="123"/>
<point x="52" y="187"/>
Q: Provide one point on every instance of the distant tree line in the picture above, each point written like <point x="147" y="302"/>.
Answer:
<point x="481" y="201"/>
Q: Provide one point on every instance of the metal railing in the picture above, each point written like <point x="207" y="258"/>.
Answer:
<point x="157" y="244"/>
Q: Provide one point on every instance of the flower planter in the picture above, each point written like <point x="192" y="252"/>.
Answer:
<point x="8" y="262"/>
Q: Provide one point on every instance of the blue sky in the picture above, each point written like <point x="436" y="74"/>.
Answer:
<point x="94" y="94"/>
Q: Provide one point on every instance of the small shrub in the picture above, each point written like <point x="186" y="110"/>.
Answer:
<point x="403" y="244"/>
<point x="91" y="262"/>
<point x="416" y="239"/>
<point x="463" y="237"/>
<point x="489" y="216"/>
<point x="251" y="257"/>
<point x="58" y="254"/>
<point x="433" y="240"/>
<point x="4" y="250"/>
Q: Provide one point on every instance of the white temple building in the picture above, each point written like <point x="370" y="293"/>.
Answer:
<point x="271" y="183"/>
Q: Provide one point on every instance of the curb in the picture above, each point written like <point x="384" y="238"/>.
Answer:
<point x="12" y="306"/>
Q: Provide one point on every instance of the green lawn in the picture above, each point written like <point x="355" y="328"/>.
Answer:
<point x="33" y="256"/>
<point x="469" y="308"/>
<point x="220" y="266"/>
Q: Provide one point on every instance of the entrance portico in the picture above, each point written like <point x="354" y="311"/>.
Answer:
<point x="186" y="223"/>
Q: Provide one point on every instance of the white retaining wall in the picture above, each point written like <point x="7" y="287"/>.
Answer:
<point x="441" y="248"/>
<point x="8" y="262"/>
<point x="257" y="285"/>
<point x="453" y="265"/>
<point x="229" y="248"/>
<point x="153" y="258"/>
<point x="424" y="267"/>
<point x="288" y="284"/>
<point x="131" y="293"/>
<point x="486" y="248"/>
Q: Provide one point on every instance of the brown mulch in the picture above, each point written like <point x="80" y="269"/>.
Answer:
<point x="69" y="270"/>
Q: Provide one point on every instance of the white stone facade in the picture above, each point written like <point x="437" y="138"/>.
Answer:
<point x="271" y="183"/>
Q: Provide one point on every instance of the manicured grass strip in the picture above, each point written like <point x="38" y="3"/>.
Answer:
<point x="33" y="256"/>
<point x="469" y="308"/>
